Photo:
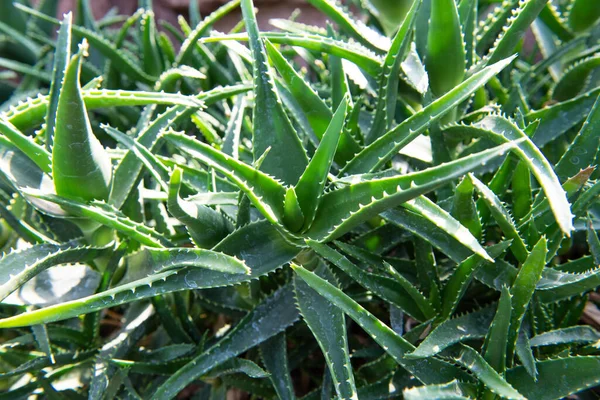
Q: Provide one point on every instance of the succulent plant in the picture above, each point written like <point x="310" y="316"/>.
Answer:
<point x="403" y="204"/>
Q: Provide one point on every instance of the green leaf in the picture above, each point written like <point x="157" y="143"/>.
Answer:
<point x="273" y="352"/>
<point x="502" y="130"/>
<point x="445" y="60"/>
<point x="187" y="47"/>
<point x="389" y="76"/>
<point x="461" y="278"/>
<point x="328" y="325"/>
<point x="397" y="291"/>
<point x="443" y="220"/>
<point x="62" y="56"/>
<point x="310" y="186"/>
<point x="20" y="266"/>
<point x="353" y="52"/>
<point x="351" y="25"/>
<point x="472" y="360"/>
<point x="119" y="58"/>
<point x="503" y="218"/>
<point x="29" y="147"/>
<point x="345" y="208"/>
<point x="583" y="14"/>
<point x="206" y="226"/>
<point x="427" y="371"/>
<point x="103" y="214"/>
<point x="581" y="153"/>
<point x="557" y="119"/>
<point x="520" y="21"/>
<point x="576" y="374"/>
<point x="574" y="79"/>
<point x="497" y="337"/>
<point x="523" y="288"/>
<point x="81" y="168"/>
<point x="384" y="148"/>
<point x="269" y="318"/>
<point x="573" y="335"/>
<point x="453" y="390"/>
<point x="266" y="193"/>
<point x="127" y="172"/>
<point x="259" y="245"/>
<point x="464" y="208"/>
<point x="31" y="112"/>
<point x="272" y="127"/>
<point x="41" y="337"/>
<point x="316" y="110"/>
<point x="474" y="325"/>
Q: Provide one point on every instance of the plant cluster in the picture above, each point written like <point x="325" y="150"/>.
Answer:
<point x="401" y="205"/>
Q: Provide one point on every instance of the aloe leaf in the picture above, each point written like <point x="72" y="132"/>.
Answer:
<point x="316" y="110"/>
<point x="389" y="76"/>
<point x="20" y="266"/>
<point x="104" y="214"/>
<point x="464" y="208"/>
<point x="368" y="61"/>
<point x="426" y="230"/>
<point x="274" y="355"/>
<point x="206" y="226"/>
<point x="272" y="128"/>
<point x="503" y="218"/>
<point x="428" y="371"/>
<point x="231" y="139"/>
<point x="577" y="374"/>
<point x="557" y="119"/>
<point x="502" y="129"/>
<point x="445" y="61"/>
<point x="40" y="332"/>
<point x="581" y="153"/>
<point x="471" y="359"/>
<point x="31" y="112"/>
<point x="384" y="148"/>
<point x="352" y="25"/>
<point x="474" y="325"/>
<point x="259" y="245"/>
<point x="176" y="258"/>
<point x="443" y="220"/>
<point x="126" y="173"/>
<point x="574" y="79"/>
<point x="521" y="191"/>
<point x="519" y="23"/>
<point x="345" y="208"/>
<point x="522" y="290"/>
<point x="266" y="193"/>
<point x="398" y="291"/>
<point x="151" y="57"/>
<point x="80" y="166"/>
<point x="62" y="56"/>
<point x="34" y="151"/>
<point x="555" y="285"/>
<point x="582" y="14"/>
<point x="571" y="335"/>
<point x="24" y="69"/>
<point x="328" y="326"/>
<point x="452" y="390"/>
<point x="270" y="317"/>
<point x="158" y="170"/>
<point x="187" y="47"/>
<point x="461" y="278"/>
<point x="524" y="353"/>
<point x="468" y="13"/>
<point x="310" y="186"/>
<point x="119" y="58"/>
<point x="497" y="337"/>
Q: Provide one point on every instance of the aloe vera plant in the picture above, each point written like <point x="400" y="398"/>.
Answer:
<point x="402" y="204"/>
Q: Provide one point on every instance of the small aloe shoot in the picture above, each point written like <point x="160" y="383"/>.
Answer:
<point x="81" y="168"/>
